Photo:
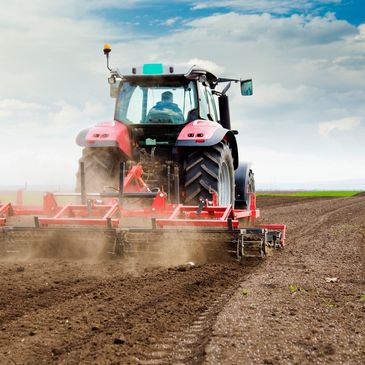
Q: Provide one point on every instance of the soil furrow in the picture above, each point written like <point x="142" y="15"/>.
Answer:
<point x="114" y="312"/>
<point x="305" y="304"/>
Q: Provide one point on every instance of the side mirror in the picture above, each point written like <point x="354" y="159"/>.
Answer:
<point x="246" y="87"/>
<point x="114" y="89"/>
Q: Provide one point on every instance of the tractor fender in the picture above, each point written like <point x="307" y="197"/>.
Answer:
<point x="242" y="176"/>
<point x="106" y="134"/>
<point x="205" y="133"/>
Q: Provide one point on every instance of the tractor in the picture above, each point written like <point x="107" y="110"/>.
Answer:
<point x="176" y="124"/>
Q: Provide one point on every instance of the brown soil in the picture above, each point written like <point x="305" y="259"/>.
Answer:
<point x="275" y="201"/>
<point x="278" y="311"/>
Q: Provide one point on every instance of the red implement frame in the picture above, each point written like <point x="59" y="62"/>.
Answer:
<point x="210" y="216"/>
<point x="72" y="214"/>
<point x="109" y="212"/>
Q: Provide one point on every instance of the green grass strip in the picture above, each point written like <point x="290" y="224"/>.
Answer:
<point x="324" y="193"/>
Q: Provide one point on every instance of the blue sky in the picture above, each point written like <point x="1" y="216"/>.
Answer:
<point x="153" y="16"/>
<point x="304" y="125"/>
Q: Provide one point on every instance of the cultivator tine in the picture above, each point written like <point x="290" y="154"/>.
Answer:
<point x="145" y="243"/>
<point x="187" y="244"/>
<point x="258" y="242"/>
<point x="253" y="244"/>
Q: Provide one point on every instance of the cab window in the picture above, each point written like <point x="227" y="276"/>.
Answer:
<point x="211" y="102"/>
<point x="203" y="102"/>
<point x="155" y="102"/>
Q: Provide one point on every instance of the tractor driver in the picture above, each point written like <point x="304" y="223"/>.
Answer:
<point x="166" y="110"/>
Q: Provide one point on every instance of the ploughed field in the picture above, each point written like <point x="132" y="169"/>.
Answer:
<point x="304" y="304"/>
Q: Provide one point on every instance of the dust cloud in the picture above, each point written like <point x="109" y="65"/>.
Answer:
<point x="138" y="251"/>
<point x="47" y="243"/>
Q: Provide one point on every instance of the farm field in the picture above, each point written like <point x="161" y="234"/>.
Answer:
<point x="302" y="305"/>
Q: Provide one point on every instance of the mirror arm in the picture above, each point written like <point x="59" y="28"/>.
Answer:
<point x="224" y="91"/>
<point x="221" y="79"/>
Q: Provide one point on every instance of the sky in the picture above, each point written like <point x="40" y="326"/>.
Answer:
<point x="304" y="127"/>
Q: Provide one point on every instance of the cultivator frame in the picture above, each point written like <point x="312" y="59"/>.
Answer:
<point x="106" y="214"/>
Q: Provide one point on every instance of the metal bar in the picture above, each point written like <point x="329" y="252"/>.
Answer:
<point x="63" y="210"/>
<point x="111" y="194"/>
<point x="83" y="183"/>
<point x="142" y="194"/>
<point x="143" y="184"/>
<point x="111" y="211"/>
<point x="121" y="182"/>
<point x="5" y="208"/>
<point x="134" y="173"/>
<point x="177" y="184"/>
<point x="226" y="213"/>
<point x="78" y="221"/>
<point x="28" y="210"/>
<point x="168" y="183"/>
<point x="175" y="213"/>
<point x="85" y="229"/>
<point x="246" y="213"/>
<point x="229" y="224"/>
<point x="195" y="222"/>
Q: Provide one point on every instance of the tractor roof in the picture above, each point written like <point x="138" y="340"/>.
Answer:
<point x="158" y="69"/>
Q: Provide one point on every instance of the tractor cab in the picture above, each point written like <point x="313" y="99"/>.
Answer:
<point x="157" y="101"/>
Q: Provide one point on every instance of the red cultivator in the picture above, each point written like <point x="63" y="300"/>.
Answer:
<point x="116" y="219"/>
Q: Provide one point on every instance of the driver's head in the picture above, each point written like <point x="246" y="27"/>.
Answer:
<point x="167" y="96"/>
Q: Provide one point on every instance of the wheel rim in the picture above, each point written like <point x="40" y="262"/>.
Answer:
<point x="224" y="185"/>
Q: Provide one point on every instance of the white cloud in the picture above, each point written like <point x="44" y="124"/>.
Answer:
<point x="294" y="31"/>
<point x="209" y="65"/>
<point x="10" y="108"/>
<point x="171" y="21"/>
<point x="344" y="124"/>
<point x="272" y="6"/>
<point x="361" y="36"/>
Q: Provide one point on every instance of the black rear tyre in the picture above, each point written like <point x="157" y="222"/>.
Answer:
<point x="208" y="170"/>
<point x="101" y="166"/>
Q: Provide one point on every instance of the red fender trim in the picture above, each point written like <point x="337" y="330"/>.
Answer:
<point x="107" y="134"/>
